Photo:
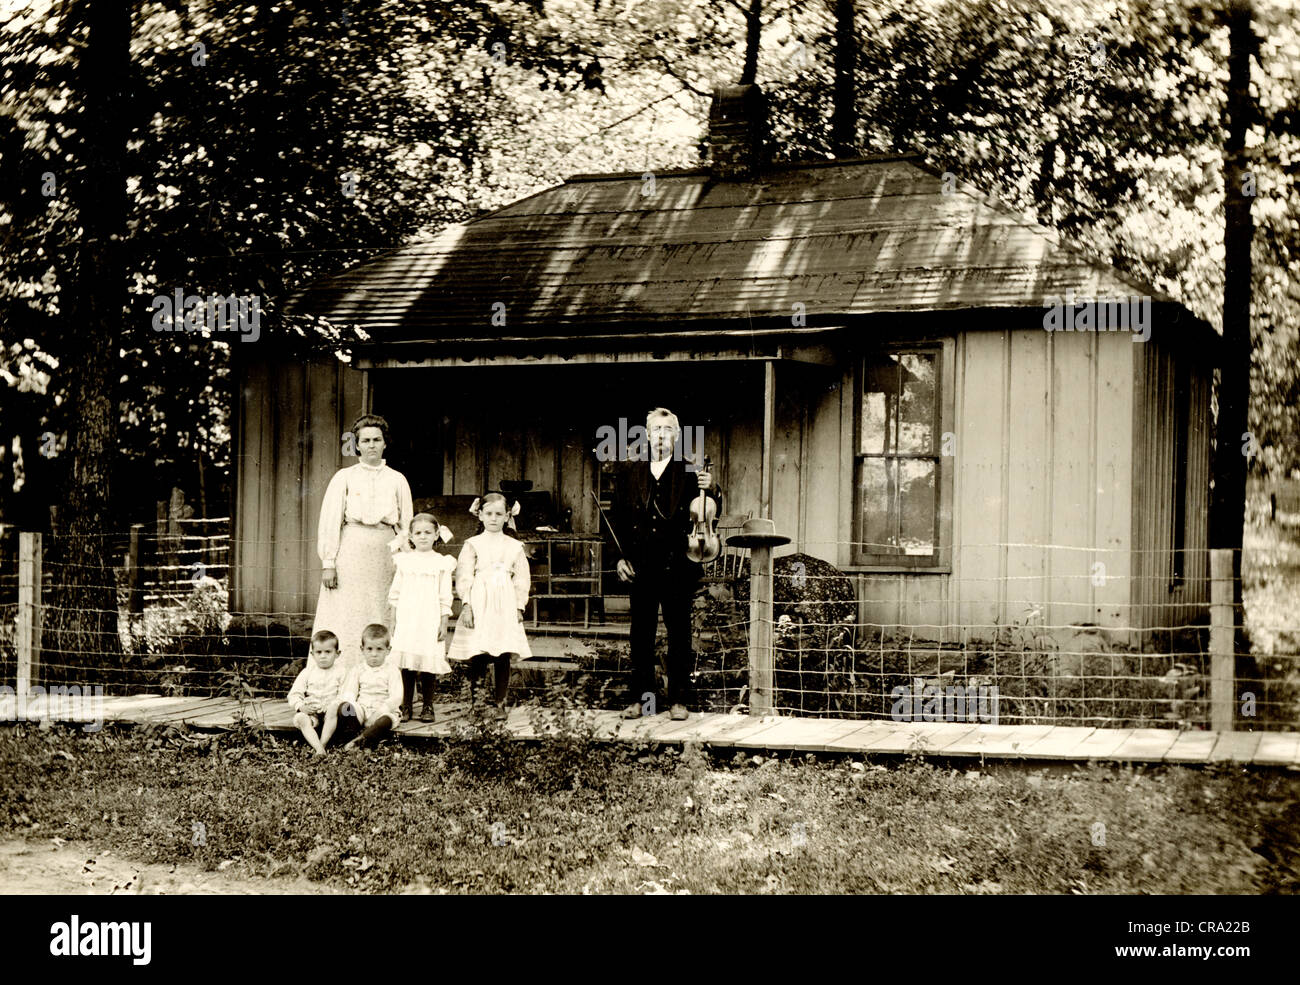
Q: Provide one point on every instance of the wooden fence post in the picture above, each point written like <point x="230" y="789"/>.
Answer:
<point x="161" y="548"/>
<point x="761" y="659"/>
<point x="29" y="612"/>
<point x="135" y="592"/>
<point x="760" y="536"/>
<point x="1222" y="635"/>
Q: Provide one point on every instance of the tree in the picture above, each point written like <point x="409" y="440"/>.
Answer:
<point x="1228" y="498"/>
<point x="84" y="615"/>
<point x="225" y="172"/>
<point x="844" y="120"/>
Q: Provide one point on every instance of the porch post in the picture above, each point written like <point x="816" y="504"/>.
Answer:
<point x="760" y="537"/>
<point x="769" y="427"/>
<point x="761" y="663"/>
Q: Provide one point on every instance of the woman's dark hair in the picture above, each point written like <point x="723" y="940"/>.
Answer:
<point x="369" y="421"/>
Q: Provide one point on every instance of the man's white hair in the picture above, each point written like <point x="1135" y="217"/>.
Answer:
<point x="662" y="412"/>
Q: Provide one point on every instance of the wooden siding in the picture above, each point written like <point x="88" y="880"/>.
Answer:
<point x="1063" y="461"/>
<point x="1157" y="600"/>
<point x="290" y="419"/>
<point x="1042" y="475"/>
<point x="541" y="423"/>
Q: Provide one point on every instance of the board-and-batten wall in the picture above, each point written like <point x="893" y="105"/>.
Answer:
<point x="287" y="441"/>
<point x="1043" y="474"/>
<point x="552" y="443"/>
<point x="1047" y="427"/>
<point x="557" y="455"/>
<point x="1161" y="397"/>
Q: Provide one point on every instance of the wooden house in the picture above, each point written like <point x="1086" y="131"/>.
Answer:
<point x="862" y="341"/>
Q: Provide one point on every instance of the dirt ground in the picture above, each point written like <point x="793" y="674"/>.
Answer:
<point x="57" y="868"/>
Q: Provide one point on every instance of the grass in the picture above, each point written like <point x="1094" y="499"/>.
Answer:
<point x="480" y="813"/>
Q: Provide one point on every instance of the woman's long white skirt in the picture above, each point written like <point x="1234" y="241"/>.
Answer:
<point x="365" y="573"/>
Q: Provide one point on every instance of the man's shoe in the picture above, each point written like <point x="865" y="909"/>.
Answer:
<point x="679" y="713"/>
<point x="632" y="711"/>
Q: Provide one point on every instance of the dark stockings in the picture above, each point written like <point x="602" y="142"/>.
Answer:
<point x="408" y="689"/>
<point x="501" y="674"/>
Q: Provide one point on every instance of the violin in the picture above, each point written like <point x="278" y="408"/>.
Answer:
<point x="702" y="543"/>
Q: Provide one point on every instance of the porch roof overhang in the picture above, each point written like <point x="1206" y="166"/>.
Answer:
<point x="803" y="345"/>
<point x="597" y="259"/>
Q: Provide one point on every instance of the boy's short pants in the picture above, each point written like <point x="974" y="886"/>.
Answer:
<point x="366" y="715"/>
<point x="317" y="720"/>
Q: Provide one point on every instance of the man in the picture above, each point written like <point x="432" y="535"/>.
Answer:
<point x="652" y="518"/>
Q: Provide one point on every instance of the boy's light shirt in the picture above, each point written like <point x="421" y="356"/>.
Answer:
<point x="317" y="683"/>
<point x="392" y="676"/>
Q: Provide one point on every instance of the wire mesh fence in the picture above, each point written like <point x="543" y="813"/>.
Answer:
<point x="1029" y="667"/>
<point x="984" y="646"/>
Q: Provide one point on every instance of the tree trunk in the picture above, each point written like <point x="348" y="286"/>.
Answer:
<point x="753" y="34"/>
<point x="1228" y="500"/>
<point x="844" y="121"/>
<point x="1044" y="188"/>
<point x="82" y="624"/>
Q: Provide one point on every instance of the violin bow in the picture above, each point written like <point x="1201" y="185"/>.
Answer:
<point x="605" y="516"/>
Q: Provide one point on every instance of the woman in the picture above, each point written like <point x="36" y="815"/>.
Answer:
<point x="364" y="518"/>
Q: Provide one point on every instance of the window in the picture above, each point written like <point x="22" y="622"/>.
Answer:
<point x="899" y="468"/>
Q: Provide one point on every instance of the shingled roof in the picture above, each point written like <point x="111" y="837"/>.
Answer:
<point x="602" y="253"/>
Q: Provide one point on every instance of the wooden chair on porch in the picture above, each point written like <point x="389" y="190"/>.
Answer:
<point x="726" y="568"/>
<point x="718" y="617"/>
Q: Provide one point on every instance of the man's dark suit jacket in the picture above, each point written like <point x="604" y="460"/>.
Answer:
<point x="632" y="513"/>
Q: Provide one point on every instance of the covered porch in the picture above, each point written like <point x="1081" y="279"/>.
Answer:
<point x="552" y="430"/>
<point x="533" y="422"/>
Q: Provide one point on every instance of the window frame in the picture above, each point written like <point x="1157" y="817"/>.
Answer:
<point x="939" y="562"/>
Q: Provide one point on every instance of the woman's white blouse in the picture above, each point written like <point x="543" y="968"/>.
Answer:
<point x="363" y="494"/>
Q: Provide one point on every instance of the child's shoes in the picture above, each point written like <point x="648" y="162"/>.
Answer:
<point x="426" y="713"/>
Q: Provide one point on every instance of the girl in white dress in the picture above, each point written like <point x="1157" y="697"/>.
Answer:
<point x="421" y="597"/>
<point x="492" y="581"/>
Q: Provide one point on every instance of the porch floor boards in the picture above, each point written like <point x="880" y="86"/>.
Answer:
<point x="742" y="732"/>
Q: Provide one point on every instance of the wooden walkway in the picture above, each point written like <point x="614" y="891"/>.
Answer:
<point x="1024" y="742"/>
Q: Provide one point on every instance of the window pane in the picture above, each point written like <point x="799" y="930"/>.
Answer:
<point x="878" y="503"/>
<point x="917" y="505"/>
<point x="879" y="405"/>
<point x="917" y="407"/>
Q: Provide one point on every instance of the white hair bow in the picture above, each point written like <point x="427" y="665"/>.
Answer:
<point x="473" y="507"/>
<point x="514" y="512"/>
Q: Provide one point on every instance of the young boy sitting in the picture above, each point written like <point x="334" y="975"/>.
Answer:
<point x="315" y="692"/>
<point x="372" y="693"/>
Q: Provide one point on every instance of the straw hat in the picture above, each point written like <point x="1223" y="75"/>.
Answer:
<point x="758" y="533"/>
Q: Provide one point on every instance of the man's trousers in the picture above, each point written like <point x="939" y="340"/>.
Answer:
<point x="658" y="586"/>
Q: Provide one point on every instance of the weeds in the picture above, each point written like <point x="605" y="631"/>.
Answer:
<point x="449" y="819"/>
<point x="566" y="755"/>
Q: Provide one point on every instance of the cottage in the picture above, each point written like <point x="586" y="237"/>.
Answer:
<point x="863" y="344"/>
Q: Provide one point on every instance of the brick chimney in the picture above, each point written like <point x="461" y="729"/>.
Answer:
<point x="738" y="132"/>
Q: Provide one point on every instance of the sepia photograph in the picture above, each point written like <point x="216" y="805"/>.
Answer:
<point x="651" y="447"/>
